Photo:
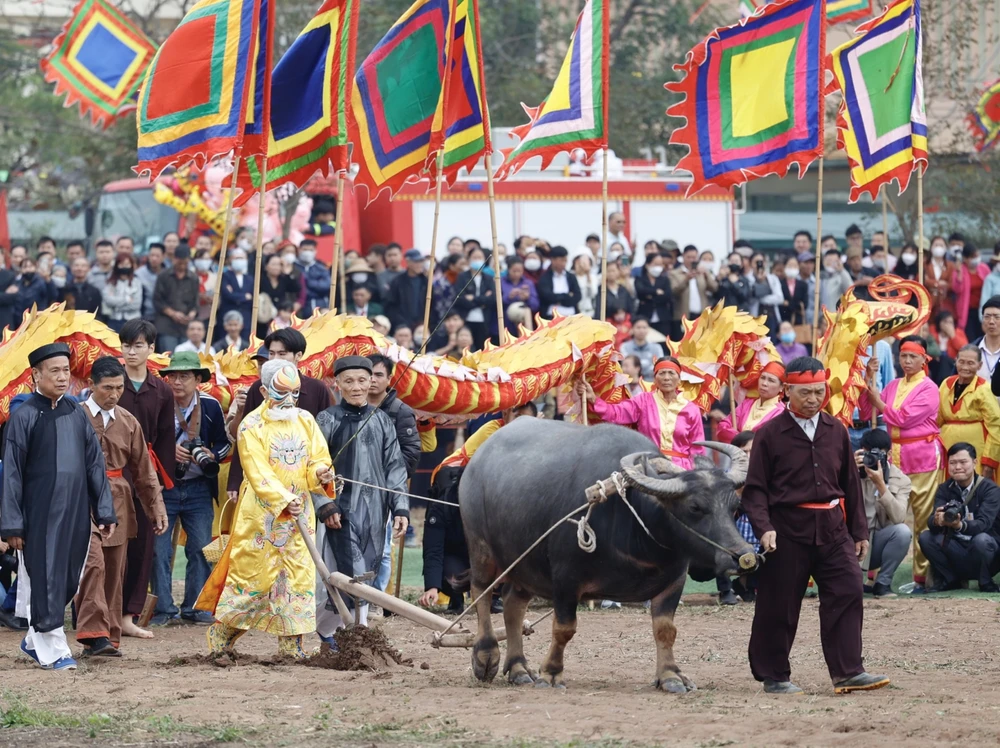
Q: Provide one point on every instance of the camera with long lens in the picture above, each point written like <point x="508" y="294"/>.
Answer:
<point x="201" y="456"/>
<point x="953" y="510"/>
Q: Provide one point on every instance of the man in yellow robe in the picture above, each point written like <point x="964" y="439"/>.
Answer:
<point x="266" y="578"/>
<point x="969" y="412"/>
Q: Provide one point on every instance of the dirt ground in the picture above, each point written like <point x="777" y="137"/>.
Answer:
<point x="940" y="655"/>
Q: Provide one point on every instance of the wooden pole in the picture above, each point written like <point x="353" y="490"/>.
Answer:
<point x="343" y="281"/>
<point x="920" y="224"/>
<point x="501" y="332"/>
<point x="338" y="246"/>
<point x="885" y="224"/>
<point x="434" y="241"/>
<point x="583" y="403"/>
<point x="732" y="397"/>
<point x="819" y="256"/>
<point x="604" y="240"/>
<point x="260" y="245"/>
<point x="222" y="252"/>
<point x="399" y="565"/>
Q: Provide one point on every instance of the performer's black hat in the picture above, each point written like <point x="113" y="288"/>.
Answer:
<point x="46" y="352"/>
<point x="352" y="362"/>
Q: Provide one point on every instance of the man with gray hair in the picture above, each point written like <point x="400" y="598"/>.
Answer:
<point x="365" y="451"/>
<point x="233" y="324"/>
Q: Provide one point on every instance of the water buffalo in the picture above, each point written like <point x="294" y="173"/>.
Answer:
<point x="530" y="474"/>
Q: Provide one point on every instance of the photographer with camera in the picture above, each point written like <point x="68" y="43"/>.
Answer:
<point x="886" y="491"/>
<point x="202" y="443"/>
<point x="962" y="540"/>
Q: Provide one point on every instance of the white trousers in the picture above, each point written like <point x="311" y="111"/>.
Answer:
<point x="328" y="621"/>
<point x="50" y="646"/>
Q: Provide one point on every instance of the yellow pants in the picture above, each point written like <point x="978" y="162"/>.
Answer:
<point x="922" y="503"/>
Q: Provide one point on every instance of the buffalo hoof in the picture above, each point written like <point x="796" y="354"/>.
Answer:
<point x="486" y="659"/>
<point x="549" y="681"/>
<point x="678" y="684"/>
<point x="521" y="679"/>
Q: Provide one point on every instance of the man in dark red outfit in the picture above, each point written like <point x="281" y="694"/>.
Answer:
<point x="803" y="497"/>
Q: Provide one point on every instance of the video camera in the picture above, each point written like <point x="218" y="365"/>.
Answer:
<point x="202" y="456"/>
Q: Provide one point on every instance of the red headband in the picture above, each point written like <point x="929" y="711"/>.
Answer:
<point x="775" y="369"/>
<point x="913" y="347"/>
<point x="661" y="365"/>
<point x="806" y="377"/>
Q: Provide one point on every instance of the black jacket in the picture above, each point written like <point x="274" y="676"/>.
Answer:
<point x="405" y="420"/>
<point x="405" y="305"/>
<point x="7" y="300"/>
<point x="81" y="296"/>
<point x="984" y="507"/>
<point x="547" y="298"/>
<point x="443" y="531"/>
<point x="736" y="294"/>
<point x="484" y="298"/>
<point x="649" y="300"/>
<point x="620" y="299"/>
<point x="793" y="308"/>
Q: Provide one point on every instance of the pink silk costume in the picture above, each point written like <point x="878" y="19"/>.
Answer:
<point x="674" y="427"/>
<point x="745" y="418"/>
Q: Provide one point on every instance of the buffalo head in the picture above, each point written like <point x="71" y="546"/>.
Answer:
<point x="699" y="506"/>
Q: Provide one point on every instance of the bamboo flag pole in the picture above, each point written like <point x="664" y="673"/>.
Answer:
<point x="885" y="223"/>
<point x="343" y="280"/>
<point x="501" y="332"/>
<point x="920" y="224"/>
<point x="819" y="255"/>
<point x="222" y="252"/>
<point x="338" y="244"/>
<point x="260" y="247"/>
<point x="434" y="241"/>
<point x="604" y="240"/>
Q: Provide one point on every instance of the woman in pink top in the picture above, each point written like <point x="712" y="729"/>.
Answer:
<point x="753" y="413"/>
<point x="910" y="408"/>
<point x="664" y="415"/>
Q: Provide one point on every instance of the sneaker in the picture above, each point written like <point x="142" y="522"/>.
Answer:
<point x="163" y="619"/>
<point x="882" y="590"/>
<point x="199" y="618"/>
<point x="63" y="663"/>
<point x="327" y="643"/>
<point x="31" y="653"/>
<point x="609" y="604"/>
<point x="100" y="647"/>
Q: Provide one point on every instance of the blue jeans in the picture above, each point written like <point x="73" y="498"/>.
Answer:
<point x="191" y="503"/>
<point x="385" y="568"/>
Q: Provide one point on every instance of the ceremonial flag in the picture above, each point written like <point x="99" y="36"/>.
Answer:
<point x="403" y="108"/>
<point x="310" y="90"/>
<point x="842" y="11"/>
<point x="98" y="61"/>
<point x="193" y="101"/>
<point x="575" y="113"/>
<point x="257" y="125"/>
<point x="753" y="97"/>
<point x="984" y="120"/>
<point x="882" y="123"/>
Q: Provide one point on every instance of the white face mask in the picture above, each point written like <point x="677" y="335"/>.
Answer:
<point x="203" y="265"/>
<point x="973" y="262"/>
<point x="290" y="258"/>
<point x="244" y="244"/>
<point x="792" y="273"/>
<point x="239" y="266"/>
<point x="956" y="249"/>
<point x="59" y="281"/>
<point x="307" y="256"/>
<point x="656" y="271"/>
<point x="938" y="252"/>
<point x="908" y="258"/>
<point x="359" y="278"/>
<point x="532" y="264"/>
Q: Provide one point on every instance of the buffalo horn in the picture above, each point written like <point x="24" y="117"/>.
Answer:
<point x="738" y="469"/>
<point x="634" y="469"/>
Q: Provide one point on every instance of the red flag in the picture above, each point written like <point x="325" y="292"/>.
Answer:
<point x="4" y="228"/>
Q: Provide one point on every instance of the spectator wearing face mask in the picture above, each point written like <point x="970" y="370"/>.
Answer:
<point x="32" y="291"/>
<point x="122" y="294"/>
<point x="907" y="267"/>
<point x="652" y="290"/>
<point x="734" y="288"/>
<point x="533" y="265"/>
<point x="795" y="294"/>
<point x="788" y="346"/>
<point x="206" y="282"/>
<point x="475" y="297"/>
<point x="938" y="275"/>
<point x="834" y="279"/>
<point x="237" y="289"/>
<point x="316" y="277"/>
<point x="358" y="275"/>
<point x="967" y="283"/>
<point x="692" y="283"/>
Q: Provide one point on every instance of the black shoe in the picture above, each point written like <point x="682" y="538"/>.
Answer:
<point x="781" y="687"/>
<point x="869" y="589"/>
<point x="100" y="646"/>
<point x="728" y="598"/>
<point x="882" y="590"/>
<point x="862" y="682"/>
<point x="10" y="621"/>
<point x="942" y="587"/>
<point x="991" y="587"/>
